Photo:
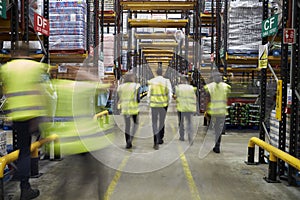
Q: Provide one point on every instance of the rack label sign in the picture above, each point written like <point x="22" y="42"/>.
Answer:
<point x="263" y="56"/>
<point x="289" y="36"/>
<point x="3" y="9"/>
<point x="41" y="24"/>
<point x="270" y="26"/>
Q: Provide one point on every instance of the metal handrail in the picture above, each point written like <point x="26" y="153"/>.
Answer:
<point x="101" y="114"/>
<point x="274" y="154"/>
<point x="13" y="156"/>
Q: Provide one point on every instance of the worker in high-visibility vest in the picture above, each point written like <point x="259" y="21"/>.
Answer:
<point x="186" y="106"/>
<point x="217" y="106"/>
<point x="73" y="120"/>
<point x="25" y="105"/>
<point x="128" y="95"/>
<point x="159" y="95"/>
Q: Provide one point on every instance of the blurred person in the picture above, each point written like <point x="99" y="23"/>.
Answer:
<point x="25" y="105"/>
<point x="217" y="106"/>
<point x="159" y="95"/>
<point x="186" y="106"/>
<point x="129" y="98"/>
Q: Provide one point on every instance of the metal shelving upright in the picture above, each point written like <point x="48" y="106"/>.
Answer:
<point x="294" y="144"/>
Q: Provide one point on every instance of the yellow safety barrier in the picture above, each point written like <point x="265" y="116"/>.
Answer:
<point x="274" y="154"/>
<point x="101" y="115"/>
<point x="11" y="157"/>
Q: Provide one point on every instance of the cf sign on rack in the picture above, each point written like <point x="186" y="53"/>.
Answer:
<point x="270" y="26"/>
<point x="41" y="24"/>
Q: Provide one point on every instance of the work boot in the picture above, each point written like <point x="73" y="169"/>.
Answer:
<point x="30" y="193"/>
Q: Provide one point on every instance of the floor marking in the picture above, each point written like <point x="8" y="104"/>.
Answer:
<point x="188" y="174"/>
<point x="115" y="180"/>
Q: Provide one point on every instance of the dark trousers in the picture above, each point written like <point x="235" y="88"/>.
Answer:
<point x="129" y="135"/>
<point x="24" y="130"/>
<point x="218" y="122"/>
<point x="182" y="116"/>
<point x="158" y="123"/>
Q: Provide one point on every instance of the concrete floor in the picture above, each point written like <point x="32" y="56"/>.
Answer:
<point x="175" y="171"/>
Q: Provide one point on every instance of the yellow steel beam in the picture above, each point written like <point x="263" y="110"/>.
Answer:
<point x="207" y="18"/>
<point x="158" y="23"/>
<point x="155" y="51"/>
<point x="158" y="45"/>
<point x="232" y="59"/>
<point x="157" y="5"/>
<point x="158" y="55"/>
<point x="154" y="36"/>
<point x="60" y="58"/>
<point x="291" y="160"/>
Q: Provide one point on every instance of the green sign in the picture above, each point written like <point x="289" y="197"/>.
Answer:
<point x="3" y="9"/>
<point x="270" y="26"/>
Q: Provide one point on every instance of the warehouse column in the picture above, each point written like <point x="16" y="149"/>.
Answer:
<point x="284" y="68"/>
<point x="294" y="123"/>
<point x="263" y="90"/>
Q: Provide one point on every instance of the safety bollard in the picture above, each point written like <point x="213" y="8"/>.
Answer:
<point x="107" y="119"/>
<point x="272" y="171"/>
<point x="101" y="122"/>
<point x="57" y="154"/>
<point x="1" y="189"/>
<point x="251" y="152"/>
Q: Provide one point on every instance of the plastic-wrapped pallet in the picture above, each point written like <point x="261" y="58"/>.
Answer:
<point x="3" y="150"/>
<point x="67" y="25"/>
<point x="244" y="26"/>
<point x="108" y="44"/>
<point x="207" y="6"/>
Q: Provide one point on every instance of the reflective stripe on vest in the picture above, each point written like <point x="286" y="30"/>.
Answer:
<point x="128" y="98"/>
<point x="158" y="95"/>
<point x="185" y="98"/>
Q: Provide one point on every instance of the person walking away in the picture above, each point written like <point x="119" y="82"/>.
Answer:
<point x="159" y="95"/>
<point x="25" y="105"/>
<point x="217" y="106"/>
<point x="186" y="106"/>
<point x="128" y="94"/>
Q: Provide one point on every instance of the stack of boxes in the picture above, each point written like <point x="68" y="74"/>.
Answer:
<point x="274" y="130"/>
<point x="253" y="114"/>
<point x="3" y="150"/>
<point x="108" y="46"/>
<point x="241" y="115"/>
<point x="207" y="6"/>
<point x="244" y="26"/>
<point x="67" y="25"/>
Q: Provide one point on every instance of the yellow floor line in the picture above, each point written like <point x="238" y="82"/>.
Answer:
<point x="115" y="180"/>
<point x="188" y="174"/>
<point x="189" y="177"/>
<point x="117" y="176"/>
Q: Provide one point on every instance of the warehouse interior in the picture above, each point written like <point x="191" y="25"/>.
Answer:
<point x="254" y="44"/>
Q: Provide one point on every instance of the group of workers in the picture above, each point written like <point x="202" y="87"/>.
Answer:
<point x="160" y="94"/>
<point x="27" y="104"/>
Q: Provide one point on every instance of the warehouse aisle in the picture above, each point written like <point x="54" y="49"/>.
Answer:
<point x="175" y="171"/>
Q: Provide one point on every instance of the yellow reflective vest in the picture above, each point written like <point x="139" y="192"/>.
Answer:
<point x="127" y="93"/>
<point x="185" y="98"/>
<point x="73" y="121"/>
<point x="218" y="98"/>
<point x="159" y="92"/>
<point x="23" y="89"/>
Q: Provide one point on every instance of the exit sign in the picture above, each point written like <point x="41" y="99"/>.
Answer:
<point x="270" y="26"/>
<point x="288" y="36"/>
